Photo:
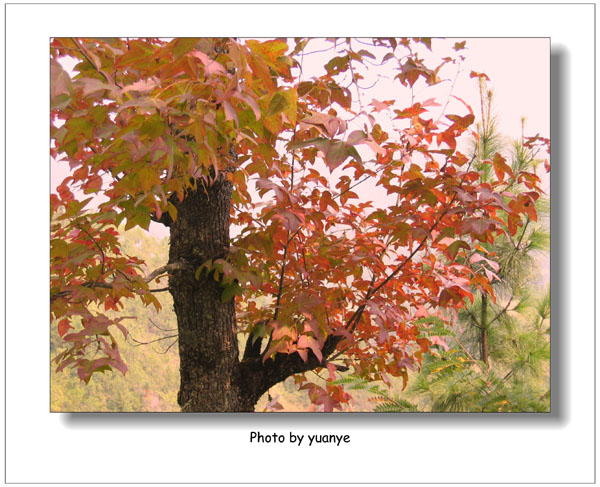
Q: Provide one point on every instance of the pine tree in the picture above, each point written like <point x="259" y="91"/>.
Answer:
<point x="496" y="357"/>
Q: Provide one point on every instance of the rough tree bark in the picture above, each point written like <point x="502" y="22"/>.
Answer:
<point x="208" y="347"/>
<point x="213" y="377"/>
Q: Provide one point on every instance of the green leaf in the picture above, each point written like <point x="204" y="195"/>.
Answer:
<point x="337" y="152"/>
<point x="291" y="98"/>
<point x="78" y="126"/>
<point x="206" y="266"/>
<point x="306" y="143"/>
<point x="453" y="248"/>
<point x="278" y="104"/>
<point x="58" y="248"/>
<point x="103" y="368"/>
<point x="70" y="147"/>
<point x="172" y="211"/>
<point x="305" y="87"/>
<point x="153" y="126"/>
<point x="183" y="45"/>
<point x="271" y="50"/>
<point x="147" y="178"/>
<point x="259" y="331"/>
<point x="246" y="118"/>
<point x="338" y="65"/>
<point x="140" y="218"/>
<point x="365" y="53"/>
<point x="60" y="102"/>
<point x="229" y="291"/>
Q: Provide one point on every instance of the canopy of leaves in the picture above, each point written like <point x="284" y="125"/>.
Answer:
<point x="315" y="268"/>
<point x="498" y="357"/>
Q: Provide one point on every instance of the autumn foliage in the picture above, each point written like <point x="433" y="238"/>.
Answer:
<point x="144" y="123"/>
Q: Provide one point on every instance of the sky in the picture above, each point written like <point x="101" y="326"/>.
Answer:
<point x="518" y="68"/>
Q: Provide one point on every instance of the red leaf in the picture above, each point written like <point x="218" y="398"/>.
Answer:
<point x="501" y="167"/>
<point x="454" y="247"/>
<point x="477" y="226"/>
<point x="63" y="327"/>
<point x="331" y="368"/>
<point x="464" y="103"/>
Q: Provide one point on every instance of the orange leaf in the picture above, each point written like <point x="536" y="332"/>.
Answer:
<point x="63" y="327"/>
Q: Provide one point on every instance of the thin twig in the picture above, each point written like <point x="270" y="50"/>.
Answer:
<point x="169" y="347"/>
<point x="449" y="93"/>
<point x="99" y="249"/>
<point x="109" y="285"/>
<point x="500" y="313"/>
<point x="160" y="290"/>
<point x="151" y="341"/>
<point x="355" y="81"/>
<point x="320" y="50"/>
<point x="162" y="329"/>
<point x="325" y="380"/>
<point x="518" y="246"/>
<point x="261" y="224"/>
<point x="359" y="311"/>
<point x="368" y="87"/>
<point x="433" y="226"/>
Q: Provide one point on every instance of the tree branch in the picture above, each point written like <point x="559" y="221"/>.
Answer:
<point x="99" y="249"/>
<point x="175" y="266"/>
<point x="472" y="317"/>
<point x="372" y="291"/>
<point x="500" y="313"/>
<point x="518" y="246"/>
<point x="263" y="375"/>
<point x="108" y="285"/>
<point x="163" y="329"/>
<point x="151" y="341"/>
<point x="468" y="354"/>
<point x="285" y="248"/>
<point x="159" y="290"/>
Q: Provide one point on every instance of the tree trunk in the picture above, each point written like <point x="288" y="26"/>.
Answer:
<point x="213" y="378"/>
<point x="483" y="339"/>
<point x="208" y="346"/>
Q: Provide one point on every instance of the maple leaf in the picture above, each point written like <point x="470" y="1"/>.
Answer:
<point x="381" y="105"/>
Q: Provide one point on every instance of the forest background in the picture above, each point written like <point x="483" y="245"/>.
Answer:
<point x="577" y="55"/>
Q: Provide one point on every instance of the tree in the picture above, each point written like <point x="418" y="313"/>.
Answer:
<point x="497" y="359"/>
<point x="204" y="135"/>
<point x="152" y="377"/>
